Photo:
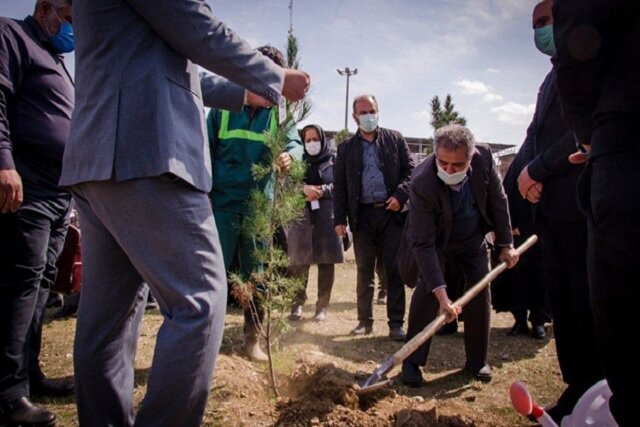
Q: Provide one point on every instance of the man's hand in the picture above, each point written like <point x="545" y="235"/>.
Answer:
<point x="445" y="305"/>
<point x="534" y="193"/>
<point x="529" y="188"/>
<point x="341" y="230"/>
<point x="256" y="100"/>
<point x="296" y="84"/>
<point x="393" y="204"/>
<point x="284" y="162"/>
<point x="313" y="192"/>
<point x="509" y="255"/>
<point x="10" y="190"/>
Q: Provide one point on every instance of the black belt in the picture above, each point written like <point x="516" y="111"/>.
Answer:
<point x="376" y="205"/>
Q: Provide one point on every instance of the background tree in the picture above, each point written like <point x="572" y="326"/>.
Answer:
<point x="442" y="116"/>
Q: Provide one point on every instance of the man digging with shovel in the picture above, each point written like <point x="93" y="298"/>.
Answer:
<point x="456" y="198"/>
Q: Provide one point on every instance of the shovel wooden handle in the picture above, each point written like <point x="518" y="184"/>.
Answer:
<point x="439" y="321"/>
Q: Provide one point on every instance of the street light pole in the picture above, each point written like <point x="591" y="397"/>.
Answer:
<point x="347" y="72"/>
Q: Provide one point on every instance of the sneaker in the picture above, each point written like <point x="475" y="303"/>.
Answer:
<point x="411" y="374"/>
<point x="382" y="298"/>
<point x="296" y="312"/>
<point x="362" y="329"/>
<point x="321" y="315"/>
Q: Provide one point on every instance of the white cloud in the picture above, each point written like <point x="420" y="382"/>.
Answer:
<point x="491" y="70"/>
<point x="469" y="87"/>
<point x="514" y="113"/>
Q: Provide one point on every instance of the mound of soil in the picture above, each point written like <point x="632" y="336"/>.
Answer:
<point x="324" y="395"/>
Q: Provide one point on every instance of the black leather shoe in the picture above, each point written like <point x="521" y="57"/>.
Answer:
<point x="51" y="388"/>
<point x="396" y="333"/>
<point x="538" y="332"/>
<point x="448" y="328"/>
<point x="23" y="412"/>
<point x="484" y="374"/>
<point x="65" y="311"/>
<point x="362" y="329"/>
<point x="519" y="328"/>
<point x="411" y="374"/>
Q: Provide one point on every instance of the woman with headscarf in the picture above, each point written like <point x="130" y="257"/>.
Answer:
<point x="312" y="239"/>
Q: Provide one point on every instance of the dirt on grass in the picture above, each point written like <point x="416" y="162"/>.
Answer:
<point x="318" y="365"/>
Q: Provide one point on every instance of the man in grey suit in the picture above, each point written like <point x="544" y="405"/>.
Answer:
<point x="138" y="166"/>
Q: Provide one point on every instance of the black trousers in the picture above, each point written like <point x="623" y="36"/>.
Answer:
<point x="613" y="205"/>
<point x="564" y="247"/>
<point x="528" y="291"/>
<point x="32" y="239"/>
<point x="326" y="277"/>
<point x="473" y="260"/>
<point x="378" y="232"/>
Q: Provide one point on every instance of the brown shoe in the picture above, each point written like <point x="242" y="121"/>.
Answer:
<point x="253" y="350"/>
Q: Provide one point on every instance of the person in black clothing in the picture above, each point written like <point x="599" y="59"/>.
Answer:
<point x="549" y="181"/>
<point x="524" y="284"/>
<point x="372" y="175"/>
<point x="598" y="67"/>
<point x="36" y="100"/>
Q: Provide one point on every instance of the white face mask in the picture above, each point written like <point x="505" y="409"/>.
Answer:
<point x="451" y="179"/>
<point x="313" y="147"/>
<point x="368" y="122"/>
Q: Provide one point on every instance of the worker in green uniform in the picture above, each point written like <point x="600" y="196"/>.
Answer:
<point x="236" y="144"/>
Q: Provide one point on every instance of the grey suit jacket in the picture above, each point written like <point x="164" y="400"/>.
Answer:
<point x="139" y="109"/>
<point x="431" y="218"/>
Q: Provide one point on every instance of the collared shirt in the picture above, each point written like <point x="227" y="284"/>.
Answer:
<point x="374" y="189"/>
<point x="36" y="98"/>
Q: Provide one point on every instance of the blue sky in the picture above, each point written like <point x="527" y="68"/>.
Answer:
<point x="406" y="51"/>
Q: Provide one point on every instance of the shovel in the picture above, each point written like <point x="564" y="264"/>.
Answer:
<point x="375" y="381"/>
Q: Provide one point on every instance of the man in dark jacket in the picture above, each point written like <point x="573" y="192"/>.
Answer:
<point x="598" y="65"/>
<point x="36" y="101"/>
<point x="372" y="175"/>
<point x="549" y="181"/>
<point x="456" y="198"/>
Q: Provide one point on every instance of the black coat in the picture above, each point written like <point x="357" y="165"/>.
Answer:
<point x="396" y="163"/>
<point x="431" y="218"/>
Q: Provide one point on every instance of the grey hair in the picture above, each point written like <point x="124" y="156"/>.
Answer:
<point x="452" y="137"/>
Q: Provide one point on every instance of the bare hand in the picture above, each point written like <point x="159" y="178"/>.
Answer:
<point x="393" y="204"/>
<point x="256" y="100"/>
<point x="296" y="84"/>
<point x="534" y="193"/>
<point x="313" y="192"/>
<point x="578" y="158"/>
<point x="446" y="306"/>
<point x="341" y="230"/>
<point x="509" y="255"/>
<point x="525" y="182"/>
<point x="284" y="162"/>
<point x="11" y="195"/>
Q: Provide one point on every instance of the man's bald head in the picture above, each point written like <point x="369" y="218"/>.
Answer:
<point x="543" y="14"/>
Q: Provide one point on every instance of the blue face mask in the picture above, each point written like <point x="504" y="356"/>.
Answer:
<point x="63" y="41"/>
<point x="543" y="38"/>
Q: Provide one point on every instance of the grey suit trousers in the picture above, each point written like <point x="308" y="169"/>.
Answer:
<point x="159" y="230"/>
